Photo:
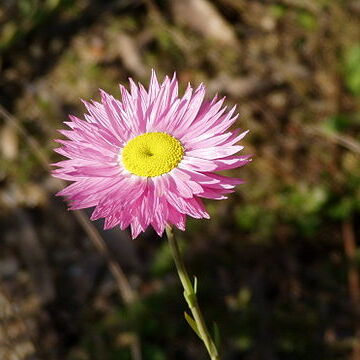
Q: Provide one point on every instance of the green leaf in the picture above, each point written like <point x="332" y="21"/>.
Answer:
<point x="217" y="338"/>
<point x="192" y="323"/>
<point x="195" y="284"/>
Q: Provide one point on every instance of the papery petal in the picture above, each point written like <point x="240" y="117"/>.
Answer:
<point x="94" y="146"/>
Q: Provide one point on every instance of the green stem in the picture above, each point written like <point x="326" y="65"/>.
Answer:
<point x="190" y="296"/>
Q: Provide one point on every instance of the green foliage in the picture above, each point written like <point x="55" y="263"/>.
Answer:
<point x="351" y="68"/>
<point x="343" y="208"/>
<point x="302" y="205"/>
<point x="304" y="199"/>
<point x="255" y="219"/>
<point x="216" y="336"/>
<point x="337" y="123"/>
<point x="307" y="20"/>
<point x="244" y="342"/>
<point x="30" y="15"/>
<point x="167" y="44"/>
<point x="163" y="261"/>
<point x="154" y="353"/>
<point x="278" y="10"/>
<point x="244" y="297"/>
<point x="192" y="323"/>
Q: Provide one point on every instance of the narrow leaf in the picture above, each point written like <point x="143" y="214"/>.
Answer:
<point x="195" y="284"/>
<point x="217" y="338"/>
<point x="192" y="323"/>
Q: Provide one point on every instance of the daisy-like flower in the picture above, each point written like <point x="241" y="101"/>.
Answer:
<point x="149" y="158"/>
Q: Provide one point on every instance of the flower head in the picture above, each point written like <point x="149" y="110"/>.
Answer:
<point x="149" y="158"/>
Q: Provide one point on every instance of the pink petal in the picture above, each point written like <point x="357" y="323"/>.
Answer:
<point x="93" y="147"/>
<point x="216" y="152"/>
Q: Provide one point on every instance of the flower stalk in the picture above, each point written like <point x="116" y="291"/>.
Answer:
<point x="196" y="322"/>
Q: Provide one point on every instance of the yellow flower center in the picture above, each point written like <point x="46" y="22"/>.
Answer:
<point x="152" y="154"/>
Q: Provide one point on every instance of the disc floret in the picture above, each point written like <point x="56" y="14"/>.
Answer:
<point x="152" y="154"/>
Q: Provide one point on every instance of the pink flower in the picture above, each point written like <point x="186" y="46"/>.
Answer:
<point x="150" y="158"/>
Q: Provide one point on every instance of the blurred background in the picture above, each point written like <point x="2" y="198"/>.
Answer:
<point x="278" y="263"/>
